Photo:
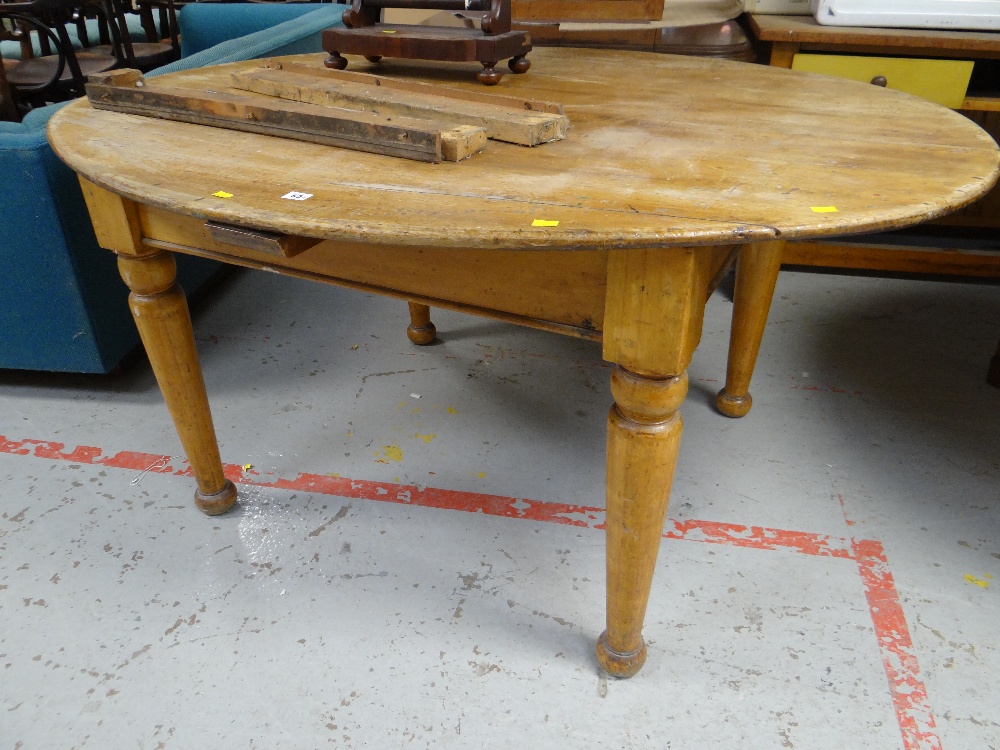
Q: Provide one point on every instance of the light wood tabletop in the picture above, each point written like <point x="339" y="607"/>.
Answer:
<point x="689" y="150"/>
<point x="671" y="165"/>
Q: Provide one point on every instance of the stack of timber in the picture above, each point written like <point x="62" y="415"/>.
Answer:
<point x="338" y="108"/>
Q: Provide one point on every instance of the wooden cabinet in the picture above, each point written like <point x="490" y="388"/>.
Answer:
<point x="948" y="67"/>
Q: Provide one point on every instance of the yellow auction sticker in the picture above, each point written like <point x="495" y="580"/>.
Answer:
<point x="544" y="223"/>
<point x="222" y="194"/>
<point x="824" y="209"/>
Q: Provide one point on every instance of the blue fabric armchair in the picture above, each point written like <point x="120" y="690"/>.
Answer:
<point x="63" y="307"/>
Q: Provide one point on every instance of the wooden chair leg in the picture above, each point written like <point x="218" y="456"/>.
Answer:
<point x="993" y="375"/>
<point x="756" y="274"/>
<point x="420" y="331"/>
<point x="8" y="106"/>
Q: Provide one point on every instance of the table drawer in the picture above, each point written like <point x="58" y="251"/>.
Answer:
<point x="941" y="81"/>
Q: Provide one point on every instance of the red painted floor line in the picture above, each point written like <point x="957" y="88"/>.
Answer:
<point x="712" y="532"/>
<point x="759" y="537"/>
<point x="909" y="695"/>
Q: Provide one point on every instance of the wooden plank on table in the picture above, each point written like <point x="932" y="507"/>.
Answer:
<point x="411" y="138"/>
<point x="512" y="123"/>
<point x="417" y="87"/>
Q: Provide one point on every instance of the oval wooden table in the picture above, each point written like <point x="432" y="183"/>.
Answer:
<point x="670" y="165"/>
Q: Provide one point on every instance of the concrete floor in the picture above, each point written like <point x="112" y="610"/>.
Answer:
<point x="415" y="563"/>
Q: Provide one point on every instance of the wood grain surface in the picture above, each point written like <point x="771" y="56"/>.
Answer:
<point x="517" y="125"/>
<point x="661" y="151"/>
<point x="375" y="132"/>
<point x="806" y="30"/>
<point x="593" y="10"/>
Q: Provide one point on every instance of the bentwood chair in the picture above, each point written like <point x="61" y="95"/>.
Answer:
<point x="111" y="19"/>
<point x="159" y="21"/>
<point x="8" y="108"/>
<point x="55" y="72"/>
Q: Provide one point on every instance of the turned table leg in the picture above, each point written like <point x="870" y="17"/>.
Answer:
<point x="652" y="322"/>
<point x="644" y="433"/>
<point x="421" y="330"/>
<point x="161" y="315"/>
<point x="756" y="274"/>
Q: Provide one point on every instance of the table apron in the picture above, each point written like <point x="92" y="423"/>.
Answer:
<point x="556" y="290"/>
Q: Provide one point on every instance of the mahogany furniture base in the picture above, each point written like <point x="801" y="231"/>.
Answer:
<point x="723" y="40"/>
<point x="430" y="43"/>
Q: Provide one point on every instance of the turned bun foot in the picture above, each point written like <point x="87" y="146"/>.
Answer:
<point x="218" y="502"/>
<point x="335" y="61"/>
<point x="489" y="76"/>
<point x="519" y="64"/>
<point x="619" y="665"/>
<point x="421" y="335"/>
<point x="373" y="58"/>
<point x="733" y="406"/>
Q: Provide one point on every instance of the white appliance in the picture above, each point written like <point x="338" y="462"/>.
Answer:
<point x="914" y="14"/>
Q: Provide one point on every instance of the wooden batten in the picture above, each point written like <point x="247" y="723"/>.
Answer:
<point x="391" y="135"/>
<point x="416" y="87"/>
<point x="503" y="118"/>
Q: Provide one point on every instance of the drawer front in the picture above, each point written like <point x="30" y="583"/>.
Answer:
<point x="635" y="11"/>
<point x="941" y="81"/>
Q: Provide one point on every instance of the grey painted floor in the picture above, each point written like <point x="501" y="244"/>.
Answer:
<point x="417" y="559"/>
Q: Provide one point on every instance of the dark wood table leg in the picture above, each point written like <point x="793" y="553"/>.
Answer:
<point x="993" y="374"/>
<point x="756" y="275"/>
<point x="8" y="105"/>
<point x="161" y="315"/>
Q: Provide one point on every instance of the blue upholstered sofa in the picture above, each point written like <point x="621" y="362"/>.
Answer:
<point x="63" y="307"/>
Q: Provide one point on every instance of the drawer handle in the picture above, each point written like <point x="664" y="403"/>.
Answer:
<point x="286" y="245"/>
<point x="879" y="81"/>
